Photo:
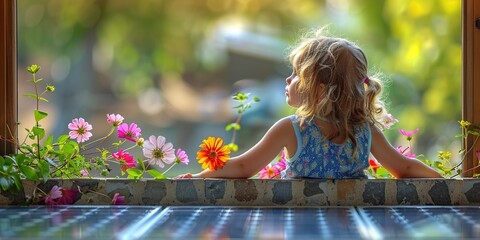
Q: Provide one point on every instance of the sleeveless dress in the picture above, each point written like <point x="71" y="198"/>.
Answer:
<point x="317" y="157"/>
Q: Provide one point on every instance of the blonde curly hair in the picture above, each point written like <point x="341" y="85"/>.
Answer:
<point x="335" y="86"/>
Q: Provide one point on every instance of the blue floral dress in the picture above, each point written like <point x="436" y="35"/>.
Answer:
<point x="317" y="157"/>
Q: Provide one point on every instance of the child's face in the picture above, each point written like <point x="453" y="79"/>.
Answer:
<point x="293" y="97"/>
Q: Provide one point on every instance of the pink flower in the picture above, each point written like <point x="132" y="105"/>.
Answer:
<point x="79" y="130"/>
<point x="118" y="199"/>
<point x="408" y="134"/>
<point x="268" y="172"/>
<point x="55" y="193"/>
<point x="131" y="133"/>
<point x="114" y="119"/>
<point x="182" y="157"/>
<point x="389" y="120"/>
<point x="272" y="171"/>
<point x="404" y="152"/>
<point x="126" y="160"/>
<point x="84" y="172"/>
<point x="158" y="151"/>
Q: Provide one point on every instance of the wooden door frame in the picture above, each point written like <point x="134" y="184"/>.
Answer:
<point x="8" y="75"/>
<point x="471" y="78"/>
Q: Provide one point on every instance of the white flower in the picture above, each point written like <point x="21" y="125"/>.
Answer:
<point x="158" y="151"/>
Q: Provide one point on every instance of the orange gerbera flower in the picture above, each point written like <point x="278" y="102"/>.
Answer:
<point x="213" y="155"/>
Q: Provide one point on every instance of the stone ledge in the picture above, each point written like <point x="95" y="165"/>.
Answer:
<point x="257" y="192"/>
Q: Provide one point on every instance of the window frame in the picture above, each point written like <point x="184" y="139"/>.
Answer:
<point x="470" y="76"/>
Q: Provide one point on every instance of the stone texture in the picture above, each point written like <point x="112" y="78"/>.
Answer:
<point x="312" y="187"/>
<point x="214" y="190"/>
<point x="440" y="194"/>
<point x="282" y="193"/>
<point x="154" y="193"/>
<point x="374" y="193"/>
<point x="186" y="192"/>
<point x="245" y="190"/>
<point x="259" y="192"/>
<point x="407" y="193"/>
<point x="473" y="194"/>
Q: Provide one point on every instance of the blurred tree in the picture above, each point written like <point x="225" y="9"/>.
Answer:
<point x="107" y="54"/>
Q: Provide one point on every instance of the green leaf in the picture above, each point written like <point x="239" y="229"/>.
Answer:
<point x="142" y="164"/>
<point x="233" y="147"/>
<point x="63" y="138"/>
<point x="231" y="126"/>
<point x="2" y="161"/>
<point x="68" y="150"/>
<point x="37" y="131"/>
<point x="5" y="183"/>
<point x="475" y="133"/>
<point x="381" y="171"/>
<point x="29" y="172"/>
<point x="256" y="99"/>
<point x="49" y="140"/>
<point x="134" y="172"/>
<point x="44" y="170"/>
<point x="17" y="181"/>
<point x="19" y="159"/>
<point x="43" y="99"/>
<point x="156" y="174"/>
<point x="30" y="95"/>
<point x="39" y="115"/>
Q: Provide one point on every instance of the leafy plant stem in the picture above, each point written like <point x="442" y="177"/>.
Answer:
<point x="102" y="139"/>
<point x="37" y="99"/>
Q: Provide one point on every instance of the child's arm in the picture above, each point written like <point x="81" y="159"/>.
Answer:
<point x="246" y="165"/>
<point x="397" y="164"/>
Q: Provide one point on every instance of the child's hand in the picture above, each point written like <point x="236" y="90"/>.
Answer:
<point x="186" y="175"/>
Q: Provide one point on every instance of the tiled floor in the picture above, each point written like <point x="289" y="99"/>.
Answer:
<point x="195" y="222"/>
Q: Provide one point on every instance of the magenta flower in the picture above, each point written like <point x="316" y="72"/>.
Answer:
<point x="126" y="160"/>
<point x="408" y="134"/>
<point x="118" y="199"/>
<point x="54" y="195"/>
<point x="131" y="133"/>
<point x="68" y="196"/>
<point x="79" y="130"/>
<point x="407" y="152"/>
<point x="158" y="151"/>
<point x="115" y="119"/>
<point x="182" y="157"/>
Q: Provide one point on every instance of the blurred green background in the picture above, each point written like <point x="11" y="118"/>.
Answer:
<point x="172" y="66"/>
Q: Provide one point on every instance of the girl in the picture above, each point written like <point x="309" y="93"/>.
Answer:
<point x="337" y="123"/>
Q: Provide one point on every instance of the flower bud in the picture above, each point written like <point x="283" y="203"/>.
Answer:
<point x="50" y="88"/>
<point x="33" y="68"/>
<point x="140" y="142"/>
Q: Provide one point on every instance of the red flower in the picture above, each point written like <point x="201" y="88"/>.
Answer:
<point x="374" y="164"/>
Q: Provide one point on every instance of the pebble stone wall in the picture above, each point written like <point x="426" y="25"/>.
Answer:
<point x="257" y="192"/>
